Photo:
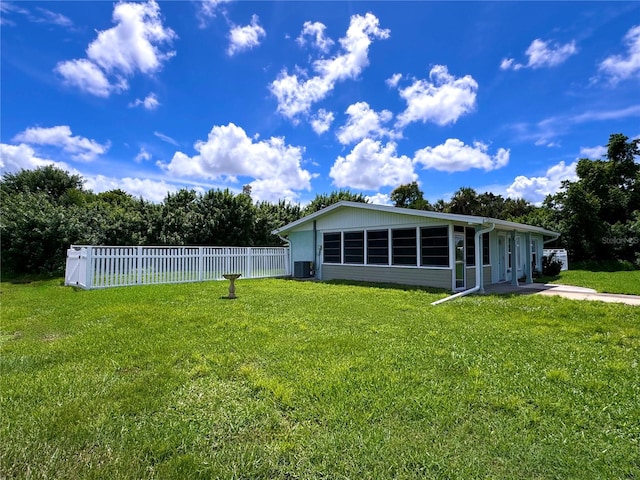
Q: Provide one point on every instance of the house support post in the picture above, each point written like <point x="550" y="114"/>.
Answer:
<point x="529" y="259"/>
<point x="514" y="260"/>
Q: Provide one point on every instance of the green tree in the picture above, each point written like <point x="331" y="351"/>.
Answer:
<point x="465" y="201"/>
<point x="323" y="200"/>
<point x="181" y="218"/>
<point x="50" y="181"/>
<point x="270" y="217"/>
<point x="226" y="219"/>
<point x="410" y="196"/>
<point x="35" y="232"/>
<point x="596" y="214"/>
<point x="41" y="215"/>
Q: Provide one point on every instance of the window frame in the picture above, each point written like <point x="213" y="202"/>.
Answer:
<point x="444" y="246"/>
<point x="348" y="249"/>
<point x="370" y="239"/>
<point x="411" y="250"/>
<point x="338" y="248"/>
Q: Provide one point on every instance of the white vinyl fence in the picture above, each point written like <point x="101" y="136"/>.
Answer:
<point x="101" y="267"/>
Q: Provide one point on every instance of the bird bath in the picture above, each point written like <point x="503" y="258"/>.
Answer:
<point x="232" y="277"/>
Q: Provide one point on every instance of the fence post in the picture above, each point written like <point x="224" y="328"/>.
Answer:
<point x="89" y="267"/>
<point x="249" y="262"/>
<point x="139" y="279"/>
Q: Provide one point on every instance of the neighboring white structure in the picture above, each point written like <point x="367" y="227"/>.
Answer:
<point x="560" y="254"/>
<point x="378" y="243"/>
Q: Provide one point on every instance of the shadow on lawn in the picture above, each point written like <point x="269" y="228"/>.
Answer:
<point x="392" y="286"/>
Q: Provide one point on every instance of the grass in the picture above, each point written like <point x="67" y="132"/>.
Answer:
<point x="312" y="380"/>
<point x="606" y="277"/>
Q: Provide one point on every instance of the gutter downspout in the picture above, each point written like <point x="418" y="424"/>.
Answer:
<point x="479" y="285"/>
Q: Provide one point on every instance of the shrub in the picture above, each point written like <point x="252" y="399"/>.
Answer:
<point x="551" y="266"/>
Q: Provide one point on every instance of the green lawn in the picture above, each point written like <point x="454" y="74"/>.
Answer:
<point x="627" y="282"/>
<point x="312" y="380"/>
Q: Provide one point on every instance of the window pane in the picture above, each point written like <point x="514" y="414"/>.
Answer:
<point x="378" y="247"/>
<point x="404" y="246"/>
<point x="435" y="246"/>
<point x="471" y="246"/>
<point x="354" y="247"/>
<point x="486" y="249"/>
<point x="332" y="247"/>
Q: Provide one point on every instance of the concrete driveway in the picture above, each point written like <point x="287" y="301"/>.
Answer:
<point x="580" y="293"/>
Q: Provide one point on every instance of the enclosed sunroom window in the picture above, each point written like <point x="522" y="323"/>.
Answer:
<point x="435" y="246"/>
<point x="332" y="247"/>
<point x="378" y="247"/>
<point x="353" y="247"/>
<point x="403" y="246"/>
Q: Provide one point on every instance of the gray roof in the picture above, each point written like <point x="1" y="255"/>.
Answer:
<point x="469" y="219"/>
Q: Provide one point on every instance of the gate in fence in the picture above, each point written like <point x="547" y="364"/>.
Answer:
<point x="102" y="267"/>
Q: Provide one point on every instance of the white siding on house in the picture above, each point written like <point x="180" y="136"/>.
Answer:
<point x="370" y="219"/>
<point x="437" y="278"/>
<point x="486" y="276"/>
<point x="301" y="246"/>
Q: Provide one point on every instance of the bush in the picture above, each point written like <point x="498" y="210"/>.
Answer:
<point x="551" y="266"/>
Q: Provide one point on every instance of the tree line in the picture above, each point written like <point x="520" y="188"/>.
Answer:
<point x="44" y="211"/>
<point x="597" y="215"/>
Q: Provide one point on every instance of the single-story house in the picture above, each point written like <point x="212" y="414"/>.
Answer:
<point x="380" y="243"/>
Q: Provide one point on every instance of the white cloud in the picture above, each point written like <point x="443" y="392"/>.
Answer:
<point x="208" y="10"/>
<point x="619" y="67"/>
<point x="142" y="155"/>
<point x="228" y="152"/>
<point x="245" y="38"/>
<point x="296" y="94"/>
<point x="441" y="100"/>
<point x="544" y="131"/>
<point x="542" y="54"/>
<point x="535" y="189"/>
<point x="593" y="152"/>
<point x="152" y="190"/>
<point x="370" y="165"/>
<point x="507" y="63"/>
<point x="132" y="46"/>
<point x="321" y="122"/>
<point x="14" y="158"/>
<point x="166" y="138"/>
<point x="150" y="102"/>
<point x="314" y="33"/>
<point x="85" y="75"/>
<point x="39" y="15"/>
<point x="394" y="80"/>
<point x="47" y="16"/>
<point x="454" y="156"/>
<point x="364" y="122"/>
<point x="80" y="148"/>
<point x="379" y="199"/>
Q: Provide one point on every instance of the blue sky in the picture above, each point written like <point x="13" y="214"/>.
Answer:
<point x="300" y="98"/>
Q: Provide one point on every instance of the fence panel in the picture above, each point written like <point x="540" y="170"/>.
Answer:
<point x="91" y="266"/>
